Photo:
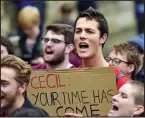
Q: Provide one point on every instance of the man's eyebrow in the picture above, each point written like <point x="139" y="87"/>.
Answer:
<point x="89" y="29"/>
<point x="78" y="28"/>
<point x="3" y="81"/>
<point x="85" y="29"/>
<point x="55" y="39"/>
<point x="123" y="93"/>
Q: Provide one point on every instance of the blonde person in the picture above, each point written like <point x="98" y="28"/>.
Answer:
<point x="30" y="43"/>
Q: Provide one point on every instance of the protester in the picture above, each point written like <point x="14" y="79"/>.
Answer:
<point x="91" y="33"/>
<point x="139" y="42"/>
<point x="15" y="76"/>
<point x="125" y="57"/>
<point x="57" y="45"/>
<point x="29" y="112"/>
<point x="6" y="47"/>
<point x="41" y="5"/>
<point x="128" y="102"/>
<point x="30" y="43"/>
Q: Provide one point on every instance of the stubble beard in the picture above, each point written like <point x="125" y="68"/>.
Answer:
<point x="58" y="59"/>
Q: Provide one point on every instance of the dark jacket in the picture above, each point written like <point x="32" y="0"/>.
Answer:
<point x="36" y="51"/>
<point x="27" y="103"/>
<point x="29" y="110"/>
<point x="140" y="76"/>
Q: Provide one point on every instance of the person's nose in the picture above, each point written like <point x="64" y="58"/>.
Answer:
<point x="1" y="89"/>
<point x="115" y="98"/>
<point x="110" y="62"/>
<point x="83" y="35"/>
<point x="49" y="43"/>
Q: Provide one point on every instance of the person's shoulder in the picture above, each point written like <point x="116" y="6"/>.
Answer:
<point x="39" y="66"/>
<point x="27" y="103"/>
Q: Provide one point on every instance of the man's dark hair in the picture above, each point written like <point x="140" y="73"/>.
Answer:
<point x="29" y="112"/>
<point x="91" y="14"/>
<point x="5" y="42"/>
<point x="64" y="29"/>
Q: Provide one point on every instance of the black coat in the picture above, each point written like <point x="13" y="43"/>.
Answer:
<point x="25" y="54"/>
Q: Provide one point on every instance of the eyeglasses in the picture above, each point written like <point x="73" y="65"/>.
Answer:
<point x="55" y="41"/>
<point x="115" y="61"/>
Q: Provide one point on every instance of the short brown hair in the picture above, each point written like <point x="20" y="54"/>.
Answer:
<point x="131" y="52"/>
<point x="64" y="29"/>
<point x="28" y="16"/>
<point x="138" y="91"/>
<point x="22" y="68"/>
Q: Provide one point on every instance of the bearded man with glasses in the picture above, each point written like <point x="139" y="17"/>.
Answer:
<point x="57" y="43"/>
<point x="125" y="57"/>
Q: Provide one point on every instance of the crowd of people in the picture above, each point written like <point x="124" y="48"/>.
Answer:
<point x="65" y="46"/>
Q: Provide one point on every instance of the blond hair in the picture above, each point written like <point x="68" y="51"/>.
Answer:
<point x="22" y="68"/>
<point x="28" y="16"/>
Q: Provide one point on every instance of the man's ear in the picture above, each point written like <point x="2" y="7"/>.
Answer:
<point x="69" y="48"/>
<point x="131" y="68"/>
<point x="22" y="88"/>
<point x="103" y="39"/>
<point x="139" y="110"/>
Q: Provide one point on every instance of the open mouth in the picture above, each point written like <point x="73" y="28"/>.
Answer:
<point x="50" y="52"/>
<point x="115" y="108"/>
<point x="2" y="97"/>
<point x="83" y="45"/>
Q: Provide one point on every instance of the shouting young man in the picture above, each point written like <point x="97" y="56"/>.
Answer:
<point x="58" y="43"/>
<point x="91" y="33"/>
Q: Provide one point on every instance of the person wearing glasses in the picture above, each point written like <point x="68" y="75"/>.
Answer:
<point x="125" y="57"/>
<point x="57" y="43"/>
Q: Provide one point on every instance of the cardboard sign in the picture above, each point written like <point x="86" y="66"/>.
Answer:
<point x="85" y="91"/>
